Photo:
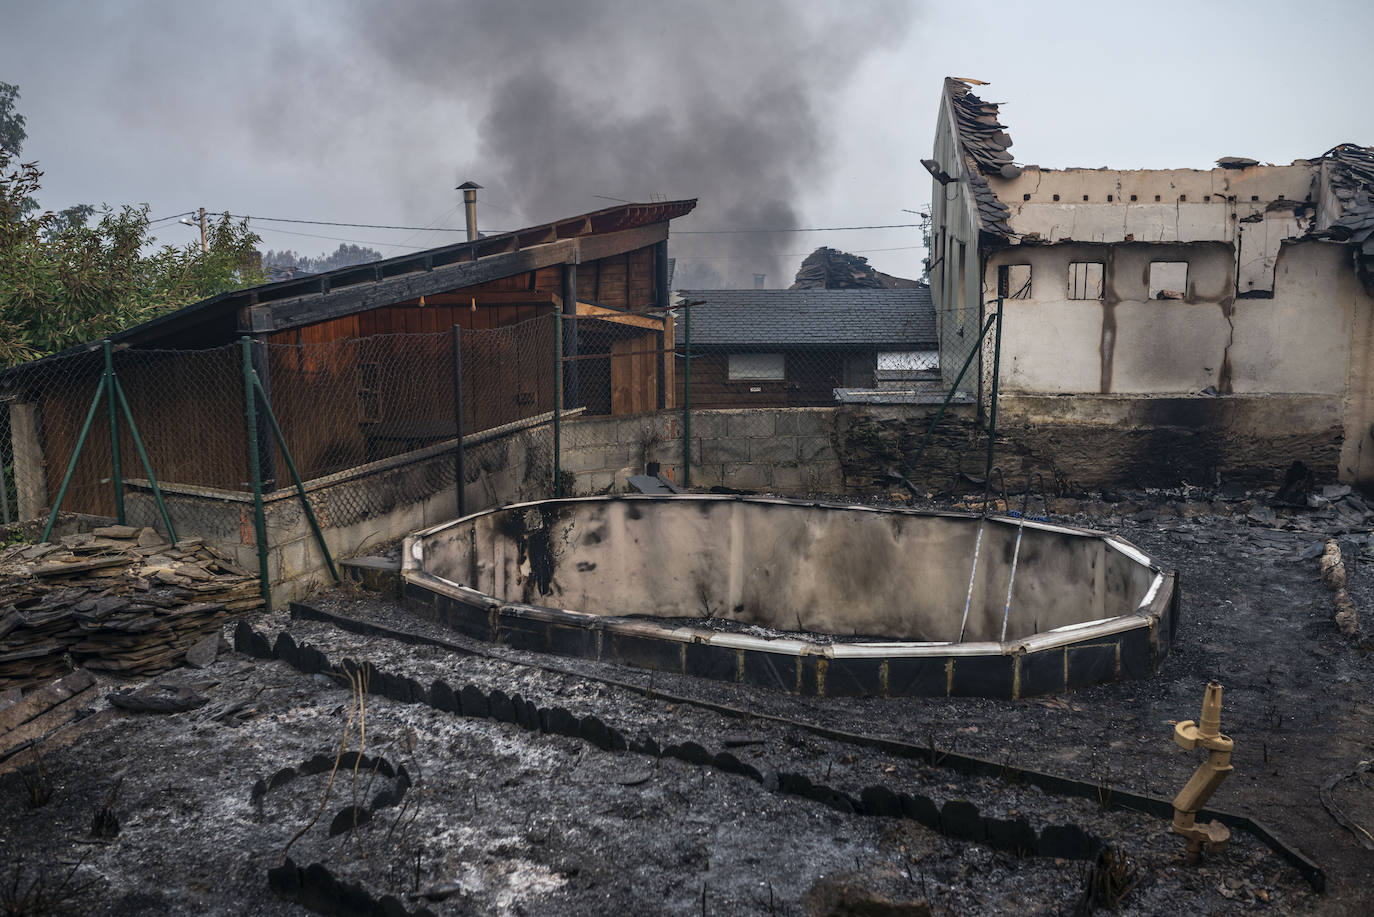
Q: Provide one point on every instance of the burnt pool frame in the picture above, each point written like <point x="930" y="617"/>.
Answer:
<point x="1127" y="646"/>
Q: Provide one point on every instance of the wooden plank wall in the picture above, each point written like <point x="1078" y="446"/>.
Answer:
<point x="346" y="402"/>
<point x="191" y="417"/>
<point x="634" y="375"/>
<point x="810" y="379"/>
<point x="189" y="409"/>
<point x="621" y="281"/>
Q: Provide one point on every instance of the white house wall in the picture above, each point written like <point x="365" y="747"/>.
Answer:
<point x="1298" y="341"/>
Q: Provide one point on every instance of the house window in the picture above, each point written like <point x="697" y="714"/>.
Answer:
<point x="904" y="365"/>
<point x="756" y="367"/>
<point x="1168" y="279"/>
<point x="1085" y="280"/>
<point x="1014" y="281"/>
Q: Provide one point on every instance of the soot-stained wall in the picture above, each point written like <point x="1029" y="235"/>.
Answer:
<point x="788" y="566"/>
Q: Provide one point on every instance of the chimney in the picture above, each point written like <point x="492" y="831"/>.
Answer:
<point x="469" y="189"/>
<point x="758" y="281"/>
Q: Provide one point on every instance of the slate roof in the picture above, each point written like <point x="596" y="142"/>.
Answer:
<point x="892" y="319"/>
<point x="1352" y="182"/>
<point x="984" y="142"/>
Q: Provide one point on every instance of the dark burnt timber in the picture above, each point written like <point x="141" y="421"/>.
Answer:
<point x="291" y="303"/>
<point x="877" y="800"/>
<point x="984" y="142"/>
<point x="438" y="278"/>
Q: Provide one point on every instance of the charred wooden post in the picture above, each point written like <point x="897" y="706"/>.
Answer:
<point x="571" y="367"/>
<point x="661" y="294"/>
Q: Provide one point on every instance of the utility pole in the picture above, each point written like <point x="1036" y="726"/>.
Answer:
<point x="204" y="243"/>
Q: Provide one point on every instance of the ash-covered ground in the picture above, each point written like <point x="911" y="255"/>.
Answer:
<point x="500" y="820"/>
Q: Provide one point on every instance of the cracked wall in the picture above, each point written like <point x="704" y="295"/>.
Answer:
<point x="1125" y="343"/>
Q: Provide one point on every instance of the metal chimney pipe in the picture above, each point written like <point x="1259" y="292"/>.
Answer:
<point x="469" y="189"/>
<point x="759" y="281"/>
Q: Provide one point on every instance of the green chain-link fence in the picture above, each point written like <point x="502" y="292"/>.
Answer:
<point x="556" y="404"/>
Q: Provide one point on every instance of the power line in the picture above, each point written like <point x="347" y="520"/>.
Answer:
<point x="240" y="216"/>
<point x="681" y="232"/>
<point x="856" y="251"/>
<point x="699" y="232"/>
<point x="291" y="232"/>
<point x="172" y="217"/>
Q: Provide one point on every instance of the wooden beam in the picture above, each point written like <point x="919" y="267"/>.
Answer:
<point x="306" y="310"/>
<point x="492" y="297"/>
<point x="619" y="243"/>
<point x="310" y="309"/>
<point x="650" y="322"/>
<point x="45" y="698"/>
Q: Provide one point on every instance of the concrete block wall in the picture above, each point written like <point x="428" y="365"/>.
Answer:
<point x="358" y="509"/>
<point x="781" y="450"/>
<point x="1077" y="443"/>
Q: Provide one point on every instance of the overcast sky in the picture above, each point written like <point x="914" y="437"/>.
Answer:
<point x="775" y="114"/>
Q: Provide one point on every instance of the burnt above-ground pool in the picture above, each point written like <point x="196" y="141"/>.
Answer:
<point x="927" y="603"/>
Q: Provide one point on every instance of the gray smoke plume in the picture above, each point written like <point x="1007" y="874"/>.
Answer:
<point x="385" y="105"/>
<point x="722" y="101"/>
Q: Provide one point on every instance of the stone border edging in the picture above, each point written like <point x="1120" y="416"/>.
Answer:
<point x="957" y="818"/>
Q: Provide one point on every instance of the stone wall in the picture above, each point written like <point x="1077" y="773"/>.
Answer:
<point x="1076" y="443"/>
<point x="780" y="450"/>
<point x="358" y="509"/>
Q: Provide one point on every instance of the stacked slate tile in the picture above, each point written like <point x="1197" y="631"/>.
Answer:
<point x="830" y="269"/>
<point x="116" y="599"/>
<point x="985" y="143"/>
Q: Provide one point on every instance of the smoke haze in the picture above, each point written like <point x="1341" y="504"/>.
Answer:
<point x="723" y="101"/>
<point x="551" y="106"/>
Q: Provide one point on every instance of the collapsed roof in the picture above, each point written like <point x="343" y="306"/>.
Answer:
<point x="983" y="142"/>
<point x="831" y="269"/>
<point x="1349" y="173"/>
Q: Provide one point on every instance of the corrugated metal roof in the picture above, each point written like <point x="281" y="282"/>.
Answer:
<point x="899" y="318"/>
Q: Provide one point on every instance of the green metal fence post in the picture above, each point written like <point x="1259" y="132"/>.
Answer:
<point x="296" y="477"/>
<point x="114" y="434"/>
<point x="992" y="410"/>
<point x="254" y="460"/>
<point x="76" y="454"/>
<point x="143" y="456"/>
<point x="949" y="396"/>
<point x="687" y="396"/>
<point x="558" y="400"/>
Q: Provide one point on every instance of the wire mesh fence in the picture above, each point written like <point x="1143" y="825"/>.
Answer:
<point x="342" y="407"/>
<point x="556" y="404"/>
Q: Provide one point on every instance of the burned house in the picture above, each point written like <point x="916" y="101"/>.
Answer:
<point x="807" y="347"/>
<point x="1204" y="322"/>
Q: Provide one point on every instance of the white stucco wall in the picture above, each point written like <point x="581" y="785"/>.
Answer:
<point x="1298" y="341"/>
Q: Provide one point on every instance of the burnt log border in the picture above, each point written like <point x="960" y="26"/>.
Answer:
<point x="963" y="821"/>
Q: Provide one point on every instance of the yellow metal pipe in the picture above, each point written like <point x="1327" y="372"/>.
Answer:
<point x="1206" y="733"/>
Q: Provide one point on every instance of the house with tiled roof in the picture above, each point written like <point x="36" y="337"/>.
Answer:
<point x="1207" y="323"/>
<point x="811" y="347"/>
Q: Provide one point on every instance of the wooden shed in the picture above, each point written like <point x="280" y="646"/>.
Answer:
<point x="359" y="360"/>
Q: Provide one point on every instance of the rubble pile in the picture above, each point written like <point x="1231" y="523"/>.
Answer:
<point x="830" y="269"/>
<point x="1332" y="567"/>
<point x="117" y="599"/>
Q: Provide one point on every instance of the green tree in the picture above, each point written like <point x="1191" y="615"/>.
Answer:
<point x="12" y="132"/>
<point x="64" y="282"/>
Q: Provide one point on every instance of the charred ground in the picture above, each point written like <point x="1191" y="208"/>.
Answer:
<point x="494" y="818"/>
